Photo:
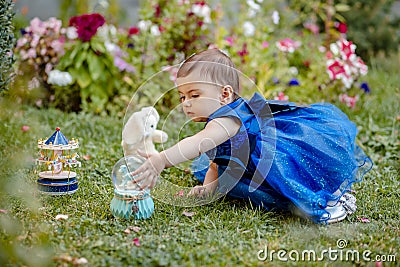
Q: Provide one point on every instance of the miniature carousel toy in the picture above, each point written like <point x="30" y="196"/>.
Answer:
<point x="58" y="157"/>
<point x="129" y="200"/>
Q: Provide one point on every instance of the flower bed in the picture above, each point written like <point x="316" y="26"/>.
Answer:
<point x="95" y="66"/>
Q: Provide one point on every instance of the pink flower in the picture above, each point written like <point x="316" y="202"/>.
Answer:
<point x="229" y="40"/>
<point x="58" y="46"/>
<point x="335" y="69"/>
<point x="136" y="242"/>
<point x="364" y="220"/>
<point x="362" y="67"/>
<point x="122" y="65"/>
<point x="288" y="45"/>
<point x="312" y="27"/>
<point x="180" y="193"/>
<point x="37" y="27"/>
<point x="25" y="128"/>
<point x="3" y="211"/>
<point x="265" y="44"/>
<point x="21" y="42"/>
<point x="350" y="101"/>
<point x="31" y="53"/>
<point x="87" y="25"/>
<point x="173" y="71"/>
<point x="281" y="96"/>
<point x="53" y="24"/>
<point x="347" y="49"/>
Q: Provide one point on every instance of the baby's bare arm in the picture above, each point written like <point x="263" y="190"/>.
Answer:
<point x="215" y="133"/>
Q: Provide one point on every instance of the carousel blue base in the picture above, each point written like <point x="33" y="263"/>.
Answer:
<point x="57" y="186"/>
<point x="124" y="205"/>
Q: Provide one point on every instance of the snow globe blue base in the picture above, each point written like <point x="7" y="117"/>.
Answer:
<point x="129" y="200"/>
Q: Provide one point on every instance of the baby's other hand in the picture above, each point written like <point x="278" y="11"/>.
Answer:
<point x="199" y="191"/>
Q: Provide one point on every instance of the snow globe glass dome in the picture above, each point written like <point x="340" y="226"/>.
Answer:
<point x="129" y="199"/>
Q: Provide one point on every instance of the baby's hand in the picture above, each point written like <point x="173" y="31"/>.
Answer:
<point x="199" y="191"/>
<point x="149" y="170"/>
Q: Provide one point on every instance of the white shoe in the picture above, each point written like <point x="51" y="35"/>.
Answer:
<point x="345" y="205"/>
<point x="338" y="213"/>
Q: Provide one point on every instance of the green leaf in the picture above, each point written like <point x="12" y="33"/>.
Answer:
<point x="98" y="47"/>
<point x="83" y="79"/>
<point x="74" y="52"/>
<point x="80" y="58"/>
<point x="96" y="66"/>
<point x="342" y="7"/>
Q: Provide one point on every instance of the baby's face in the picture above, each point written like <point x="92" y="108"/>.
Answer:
<point x="199" y="98"/>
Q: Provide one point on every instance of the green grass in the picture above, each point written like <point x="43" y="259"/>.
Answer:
<point x="224" y="233"/>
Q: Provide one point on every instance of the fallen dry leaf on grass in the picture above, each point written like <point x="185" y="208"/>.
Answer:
<point x="128" y="230"/>
<point x="188" y="213"/>
<point x="60" y="217"/>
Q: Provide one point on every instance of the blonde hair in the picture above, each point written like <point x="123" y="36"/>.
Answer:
<point x="212" y="64"/>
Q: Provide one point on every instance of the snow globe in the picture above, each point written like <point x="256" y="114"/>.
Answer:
<point x="129" y="199"/>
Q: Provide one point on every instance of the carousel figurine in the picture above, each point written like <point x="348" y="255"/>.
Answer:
<point x="56" y="154"/>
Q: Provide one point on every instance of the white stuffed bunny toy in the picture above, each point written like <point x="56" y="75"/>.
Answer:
<point x="140" y="131"/>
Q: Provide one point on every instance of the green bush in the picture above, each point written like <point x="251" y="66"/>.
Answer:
<point x="7" y="41"/>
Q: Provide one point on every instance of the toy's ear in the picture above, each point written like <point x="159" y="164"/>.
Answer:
<point x="150" y="111"/>
<point x="139" y="125"/>
<point x="133" y="130"/>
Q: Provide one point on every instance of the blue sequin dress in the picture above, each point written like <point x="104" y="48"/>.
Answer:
<point x="285" y="155"/>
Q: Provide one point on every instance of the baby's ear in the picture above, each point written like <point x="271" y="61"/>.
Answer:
<point x="227" y="94"/>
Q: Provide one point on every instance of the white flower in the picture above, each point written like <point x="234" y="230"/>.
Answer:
<point x="334" y="48"/>
<point x="294" y="71"/>
<point x="248" y="28"/>
<point x="111" y="47"/>
<point x="72" y="33"/>
<point x="59" y="78"/>
<point x="203" y="11"/>
<point x="251" y="13"/>
<point x="144" y="25"/>
<point x="155" y="30"/>
<point x="104" y="4"/>
<point x="275" y="17"/>
<point x="106" y="32"/>
<point x="253" y="5"/>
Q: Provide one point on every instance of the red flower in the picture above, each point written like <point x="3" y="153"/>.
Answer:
<point x="341" y="27"/>
<point x="243" y="53"/>
<point x="161" y="28"/>
<point x="347" y="49"/>
<point x="157" y="11"/>
<point x="134" y="30"/>
<point x="87" y="25"/>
